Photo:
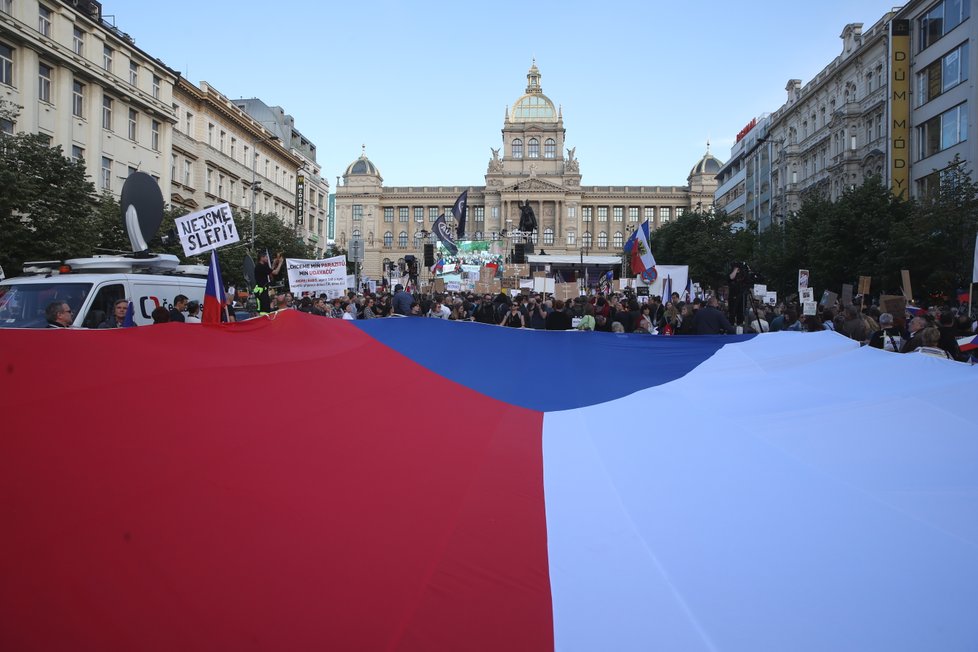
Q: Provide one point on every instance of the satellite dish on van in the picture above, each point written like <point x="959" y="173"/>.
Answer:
<point x="142" y="209"/>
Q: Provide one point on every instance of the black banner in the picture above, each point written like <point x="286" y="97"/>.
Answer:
<point x="440" y="227"/>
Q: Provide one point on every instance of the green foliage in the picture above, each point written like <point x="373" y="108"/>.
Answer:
<point x="46" y="203"/>
<point x="706" y="242"/>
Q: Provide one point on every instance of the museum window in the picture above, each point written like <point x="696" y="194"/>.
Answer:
<point x="78" y="99"/>
<point x="517" y="148"/>
<point x="943" y="75"/>
<point x="619" y="240"/>
<point x="586" y="239"/>
<point x="432" y="213"/>
<point x="550" y="148"/>
<point x="533" y="148"/>
<point x="402" y="239"/>
<point x="940" y="20"/>
<point x="619" y="213"/>
<point x="357" y="212"/>
<point x="602" y="213"/>
<point x="680" y="212"/>
<point x="943" y="131"/>
<point x="419" y="214"/>
<point x="44" y="73"/>
<point x="548" y="236"/>
<point x="389" y="214"/>
<point x="586" y="213"/>
<point x="403" y="214"/>
<point x="664" y="214"/>
<point x="388" y="239"/>
<point x="571" y="239"/>
<point x="633" y="213"/>
<point x="602" y="240"/>
<point x="479" y="213"/>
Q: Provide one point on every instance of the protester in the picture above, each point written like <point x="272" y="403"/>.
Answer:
<point x="710" y="321"/>
<point x="179" y="305"/>
<point x="118" y="316"/>
<point x="888" y="337"/>
<point x="402" y="301"/>
<point x="160" y="315"/>
<point x="59" y="315"/>
<point x="587" y="323"/>
<point x="916" y="325"/>
<point x="193" y="312"/>
<point x="558" y="319"/>
<point x="929" y="339"/>
<point x="514" y="318"/>
<point x="438" y="310"/>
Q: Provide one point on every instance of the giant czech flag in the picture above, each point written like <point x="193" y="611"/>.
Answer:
<point x="570" y="491"/>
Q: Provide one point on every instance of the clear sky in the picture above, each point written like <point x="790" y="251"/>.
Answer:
<point x="424" y="85"/>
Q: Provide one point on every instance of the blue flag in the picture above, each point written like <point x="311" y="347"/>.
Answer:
<point x="130" y="319"/>
<point x="459" y="211"/>
<point x="440" y="227"/>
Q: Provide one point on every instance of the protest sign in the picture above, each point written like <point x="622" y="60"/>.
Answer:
<point x="810" y="308"/>
<point x="351" y="282"/>
<point x="543" y="284"/>
<point x="760" y="290"/>
<point x="205" y="230"/>
<point x="895" y="305"/>
<point x="526" y="282"/>
<point x="453" y="286"/>
<point x="846" y="294"/>
<point x="439" y="285"/>
<point x="802" y="279"/>
<point x="565" y="291"/>
<point x="483" y="287"/>
<point x="829" y="298"/>
<point x="509" y="282"/>
<point x="807" y="294"/>
<point x="496" y="286"/>
<point x="318" y="276"/>
<point x="521" y="270"/>
<point x="771" y="298"/>
<point x="525" y="291"/>
<point x="864" y="282"/>
<point x="539" y="275"/>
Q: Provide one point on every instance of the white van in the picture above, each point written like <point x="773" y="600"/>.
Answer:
<point x="91" y="286"/>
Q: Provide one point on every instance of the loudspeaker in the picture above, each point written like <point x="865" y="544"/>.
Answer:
<point x="429" y="255"/>
<point x="519" y="253"/>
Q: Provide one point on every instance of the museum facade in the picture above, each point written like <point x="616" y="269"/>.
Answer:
<point x="532" y="165"/>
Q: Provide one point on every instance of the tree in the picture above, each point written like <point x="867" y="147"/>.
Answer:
<point x="706" y="242"/>
<point x="46" y="202"/>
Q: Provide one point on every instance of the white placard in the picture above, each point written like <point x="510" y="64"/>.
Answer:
<point x="543" y="285"/>
<point x="772" y="298"/>
<point x="527" y="282"/>
<point x="810" y="308"/>
<point x="318" y="276"/>
<point x="205" y="230"/>
<point x="453" y="286"/>
<point x="760" y="290"/>
<point x="802" y="279"/>
<point x="807" y="294"/>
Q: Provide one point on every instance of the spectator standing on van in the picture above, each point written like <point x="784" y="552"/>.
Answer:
<point x="179" y="305"/>
<point x="118" y="316"/>
<point x="263" y="277"/>
<point x="59" y="315"/>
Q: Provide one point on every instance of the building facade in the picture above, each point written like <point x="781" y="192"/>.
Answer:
<point x="898" y="102"/>
<point x="84" y="84"/>
<point x="311" y="188"/>
<point x="221" y="154"/>
<point x="533" y="164"/>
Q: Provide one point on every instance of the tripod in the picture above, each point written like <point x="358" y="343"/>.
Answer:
<point x="750" y="301"/>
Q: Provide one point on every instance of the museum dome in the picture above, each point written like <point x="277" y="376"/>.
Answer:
<point x="363" y="166"/>
<point x="534" y="106"/>
<point x="709" y="164"/>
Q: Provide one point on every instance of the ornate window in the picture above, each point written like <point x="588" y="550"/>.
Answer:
<point x="357" y="212"/>
<point x="517" y="148"/>
<point x="550" y="148"/>
<point x="619" y="240"/>
<point x="548" y="236"/>
<point x="432" y="213"/>
<point x="402" y="239"/>
<point x="602" y="240"/>
<point x="419" y="214"/>
<point x="650" y="214"/>
<point x="586" y="212"/>
<point x="403" y="214"/>
<point x="633" y="213"/>
<point x="533" y="148"/>
<point x="586" y="239"/>
<point x="479" y="213"/>
<point x="389" y="214"/>
<point x="602" y="213"/>
<point x="619" y="213"/>
<point x="388" y="239"/>
<point x="571" y="239"/>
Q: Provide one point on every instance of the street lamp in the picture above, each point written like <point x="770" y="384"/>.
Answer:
<point x="254" y="181"/>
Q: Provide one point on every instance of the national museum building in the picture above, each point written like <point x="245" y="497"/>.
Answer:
<point x="532" y="165"/>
